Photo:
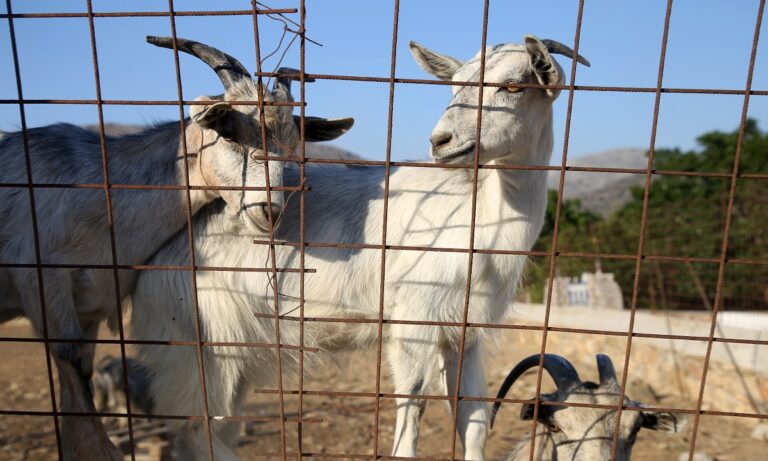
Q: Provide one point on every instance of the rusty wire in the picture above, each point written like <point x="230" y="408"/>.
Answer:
<point x="190" y="232"/>
<point x="383" y="249"/>
<point x="302" y="178"/>
<point x="473" y="216"/>
<point x="643" y="223"/>
<point x="146" y="14"/>
<point x="727" y="228"/>
<point x="558" y="208"/>
<point x="35" y="228"/>
<point x="392" y="80"/>
<point x="271" y="220"/>
<point x="111" y="225"/>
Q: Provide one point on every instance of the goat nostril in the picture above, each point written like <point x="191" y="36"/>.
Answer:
<point x="440" y="138"/>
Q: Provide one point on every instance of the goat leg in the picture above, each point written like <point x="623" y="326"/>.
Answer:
<point x="83" y="437"/>
<point x="472" y="421"/>
<point x="411" y="354"/>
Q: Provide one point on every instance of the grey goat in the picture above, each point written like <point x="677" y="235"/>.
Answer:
<point x="224" y="150"/>
<point x="582" y="433"/>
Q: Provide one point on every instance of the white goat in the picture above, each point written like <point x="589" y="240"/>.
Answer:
<point x="582" y="433"/>
<point x="221" y="138"/>
<point x="428" y="207"/>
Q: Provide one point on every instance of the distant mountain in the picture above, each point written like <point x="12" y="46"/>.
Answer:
<point x="602" y="193"/>
<point x="115" y="129"/>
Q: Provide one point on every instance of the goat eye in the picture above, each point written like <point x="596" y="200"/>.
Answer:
<point x="554" y="427"/>
<point x="511" y="89"/>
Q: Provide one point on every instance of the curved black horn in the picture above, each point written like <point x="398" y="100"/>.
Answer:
<point x="606" y="371"/>
<point x="226" y="67"/>
<point x="553" y="46"/>
<point x="560" y="369"/>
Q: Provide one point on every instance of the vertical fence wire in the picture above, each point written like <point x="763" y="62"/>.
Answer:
<point x="473" y="216"/>
<point x="643" y="226"/>
<point x="190" y="233"/>
<point x="727" y="228"/>
<point x="556" y="227"/>
<point x="35" y="227"/>
<point x="111" y="226"/>
<point x="302" y="203"/>
<point x="271" y="220"/>
<point x="383" y="246"/>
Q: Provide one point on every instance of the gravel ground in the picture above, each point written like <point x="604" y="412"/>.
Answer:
<point x="345" y="426"/>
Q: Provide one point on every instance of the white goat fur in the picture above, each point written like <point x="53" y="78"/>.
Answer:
<point x="428" y="207"/>
<point x="73" y="226"/>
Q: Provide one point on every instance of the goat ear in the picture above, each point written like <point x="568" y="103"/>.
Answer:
<point x="526" y="412"/>
<point x="322" y="129"/>
<point x="666" y="422"/>
<point x="209" y="115"/>
<point x="441" y="66"/>
<point x="544" y="66"/>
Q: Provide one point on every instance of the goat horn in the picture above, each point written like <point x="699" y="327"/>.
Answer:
<point x="560" y="369"/>
<point x="285" y="75"/>
<point x="229" y="69"/>
<point x="553" y="46"/>
<point x="606" y="371"/>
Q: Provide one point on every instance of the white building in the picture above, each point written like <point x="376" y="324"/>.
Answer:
<point x="598" y="289"/>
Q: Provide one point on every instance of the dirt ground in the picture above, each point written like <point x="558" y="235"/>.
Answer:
<point x="344" y="426"/>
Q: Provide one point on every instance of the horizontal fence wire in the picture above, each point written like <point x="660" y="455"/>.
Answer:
<point x="147" y="14"/>
<point x="380" y="395"/>
<point x="257" y="13"/>
<point x="388" y="321"/>
<point x="143" y="102"/>
<point x="393" y="396"/>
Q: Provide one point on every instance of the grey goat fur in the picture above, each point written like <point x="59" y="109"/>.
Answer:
<point x="429" y="207"/>
<point x="221" y="139"/>
<point x="582" y="433"/>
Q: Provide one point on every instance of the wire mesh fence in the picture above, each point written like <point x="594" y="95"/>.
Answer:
<point x="648" y="246"/>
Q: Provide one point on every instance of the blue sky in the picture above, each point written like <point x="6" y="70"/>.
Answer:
<point x="709" y="46"/>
